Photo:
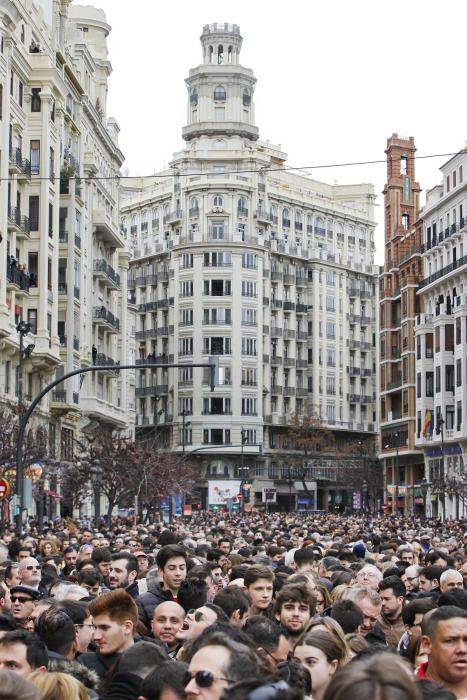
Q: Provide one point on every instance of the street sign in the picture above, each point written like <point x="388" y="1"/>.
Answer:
<point x="269" y="495"/>
<point x="4" y="489"/>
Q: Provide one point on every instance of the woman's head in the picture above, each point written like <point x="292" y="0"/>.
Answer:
<point x="321" y="654"/>
<point x="323" y="599"/>
<point x="58" y="686"/>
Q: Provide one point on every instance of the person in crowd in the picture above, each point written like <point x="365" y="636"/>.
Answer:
<point x="258" y="581"/>
<point x="428" y="581"/>
<point x="450" y="579"/>
<point x="166" y="682"/>
<point x="70" y="556"/>
<point x="320" y="653"/>
<point x="114" y="617"/>
<point x="30" y="573"/>
<point x="348" y="615"/>
<point x="23" y="600"/>
<point x="368" y="576"/>
<point x="410" y="579"/>
<point x="124" y="573"/>
<point x="392" y="593"/>
<point x="171" y="561"/>
<point x="22" y="652"/>
<point x="294" y="608"/>
<point x="167" y="621"/>
<point x="15" y="687"/>
<point x="369" y="602"/>
<point x="444" y="636"/>
<point x="235" y="603"/>
<point x="57" y="630"/>
<point x="58" y="686"/>
<point x="271" y="643"/>
<point x="102" y="557"/>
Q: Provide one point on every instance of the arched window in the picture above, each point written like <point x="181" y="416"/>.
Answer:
<point x="217" y="200"/>
<point x="194" y="98"/>
<point x="351" y="232"/>
<point x="319" y="226"/>
<point x="309" y="223"/>
<point x="219" y="93"/>
<point x="241" y="203"/>
<point x="246" y="98"/>
<point x="229" y="53"/>
<point x="219" y="144"/>
<point x="155" y="217"/>
<point x="285" y="217"/>
<point x="211" y="54"/>
<point x="298" y="217"/>
<point x="273" y="212"/>
<point x="220" y="54"/>
<point x="194" y="204"/>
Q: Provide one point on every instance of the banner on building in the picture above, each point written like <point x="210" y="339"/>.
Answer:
<point x="220" y="492"/>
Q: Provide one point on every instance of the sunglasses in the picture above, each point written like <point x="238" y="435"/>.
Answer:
<point x="204" y="679"/>
<point x="197" y="615"/>
<point x="18" y="599"/>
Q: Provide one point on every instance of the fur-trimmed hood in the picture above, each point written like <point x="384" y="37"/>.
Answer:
<point x="86" y="676"/>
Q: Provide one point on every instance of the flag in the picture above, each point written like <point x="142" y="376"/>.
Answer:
<point x="428" y="426"/>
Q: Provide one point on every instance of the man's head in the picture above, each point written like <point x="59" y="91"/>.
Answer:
<point x="348" y="615"/>
<point x="235" y="603"/>
<point x="271" y="644"/>
<point x="218" y="663"/>
<point x="23" y="600"/>
<point x="428" y="579"/>
<point x="22" y="652"/>
<point x="224" y="545"/>
<point x="166" y="682"/>
<point x="57" y="630"/>
<point x="295" y="606"/>
<point x="369" y="576"/>
<point x="115" y="616"/>
<point x="392" y="594"/>
<point x="410" y="578"/>
<point x="450" y="579"/>
<point x="258" y="581"/>
<point x="123" y="570"/>
<point x="444" y="636"/>
<point x="167" y="619"/>
<point x="70" y="556"/>
<point x="406" y="554"/>
<point x="171" y="561"/>
<point x="304" y="558"/>
<point x="369" y="602"/>
<point x="196" y="621"/>
<point x="413" y="614"/>
<point x="30" y="572"/>
<point x="102" y="557"/>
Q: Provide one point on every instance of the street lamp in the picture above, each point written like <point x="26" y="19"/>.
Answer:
<point x="424" y="490"/>
<point x="96" y="479"/>
<point x="395" y="443"/>
<point x="185" y="424"/>
<point x="440" y="431"/>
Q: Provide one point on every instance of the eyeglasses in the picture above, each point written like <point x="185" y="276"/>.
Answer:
<point x="33" y="568"/>
<point x="204" y="679"/>
<point x="198" y="616"/>
<point x="20" y="599"/>
<point x="411" y="578"/>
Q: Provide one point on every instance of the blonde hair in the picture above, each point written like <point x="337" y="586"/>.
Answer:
<point x="58" y="686"/>
<point x="338" y="592"/>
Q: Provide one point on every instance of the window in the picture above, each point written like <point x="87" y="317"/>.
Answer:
<point x="34" y="213"/>
<point x="217" y="259"/>
<point x="35" y="157"/>
<point x="249" y="376"/>
<point x="459" y="372"/>
<point x="217" y="316"/>
<point x="213" y="345"/>
<point x="186" y="261"/>
<point x="32" y="319"/>
<point x="186" y="317"/>
<point x="248" y="317"/>
<point x="248" y="288"/>
<point x="217" y="200"/>
<point x="186" y="288"/>
<point x="249" y="261"/>
<point x="219" y="114"/>
<point x="449" y="337"/>
<point x="219" y="93"/>
<point x="20" y="93"/>
<point x="331" y="385"/>
<point x="185" y="346"/>
<point x="249" y="346"/>
<point x="66" y="443"/>
<point x="437" y="379"/>
<point x="429" y="384"/>
<point x="217" y="288"/>
<point x="36" y="100"/>
<point x="185" y="404"/>
<point x="449" y="377"/>
<point x="249" y="407"/>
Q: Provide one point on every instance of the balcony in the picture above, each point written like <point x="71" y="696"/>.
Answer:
<point x="301" y="308"/>
<point x="276" y="275"/>
<point x="289" y="362"/>
<point x="302" y="364"/>
<point x="276" y="360"/>
<point x="18" y="164"/>
<point x="106" y="273"/>
<point x="289" y="333"/>
<point x="444" y="271"/>
<point x="103" y="316"/>
<point x="289" y="306"/>
<point x="17" y="222"/>
<point x="276" y="389"/>
<point x="106" y="228"/>
<point x="276" y="332"/>
<point x="63" y="237"/>
<point x="18" y="278"/>
<point x="173" y="216"/>
<point x="395" y="384"/>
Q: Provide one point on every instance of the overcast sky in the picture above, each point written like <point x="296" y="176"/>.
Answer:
<point x="335" y="79"/>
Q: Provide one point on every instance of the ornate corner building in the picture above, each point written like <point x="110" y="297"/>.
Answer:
<point x="236" y="256"/>
<point x="63" y="257"/>
<point x="441" y="336"/>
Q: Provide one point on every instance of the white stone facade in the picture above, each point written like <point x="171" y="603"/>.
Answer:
<point x="234" y="255"/>
<point x="441" y="336"/>
<point x="63" y="259"/>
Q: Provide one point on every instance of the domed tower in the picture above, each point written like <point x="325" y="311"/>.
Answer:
<point x="220" y="90"/>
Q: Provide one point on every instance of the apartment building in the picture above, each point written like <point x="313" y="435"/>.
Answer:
<point x="441" y="334"/>
<point x="63" y="260"/>
<point x="399" y="305"/>
<point x="236" y="256"/>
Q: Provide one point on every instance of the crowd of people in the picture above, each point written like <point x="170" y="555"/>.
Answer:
<point x="235" y="607"/>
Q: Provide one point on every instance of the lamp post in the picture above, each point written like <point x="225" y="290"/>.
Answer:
<point x="185" y="424"/>
<point x="23" y="328"/>
<point x="96" y="478"/>
<point x="424" y="490"/>
<point x="396" y="508"/>
<point x="440" y="431"/>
